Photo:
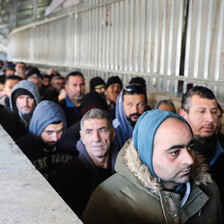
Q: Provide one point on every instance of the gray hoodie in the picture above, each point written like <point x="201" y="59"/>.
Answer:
<point x="27" y="85"/>
<point x="46" y="112"/>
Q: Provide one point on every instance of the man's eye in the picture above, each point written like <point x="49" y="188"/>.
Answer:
<point x="89" y="132"/>
<point x="103" y="130"/>
<point x="49" y="132"/>
<point x="190" y="148"/>
<point x="175" y="153"/>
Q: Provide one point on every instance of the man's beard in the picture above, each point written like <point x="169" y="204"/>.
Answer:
<point x="132" y="115"/>
<point x="206" y="146"/>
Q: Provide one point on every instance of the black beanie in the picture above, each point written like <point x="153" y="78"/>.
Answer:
<point x="19" y="92"/>
<point x="112" y="80"/>
<point x="93" y="100"/>
<point x="96" y="81"/>
<point x="138" y="80"/>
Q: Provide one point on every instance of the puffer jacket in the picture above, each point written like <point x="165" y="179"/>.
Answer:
<point x="133" y="195"/>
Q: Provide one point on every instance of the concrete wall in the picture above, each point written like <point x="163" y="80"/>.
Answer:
<point x="25" y="196"/>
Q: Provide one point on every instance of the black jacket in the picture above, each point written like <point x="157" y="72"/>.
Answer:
<point x="46" y="160"/>
<point x="77" y="180"/>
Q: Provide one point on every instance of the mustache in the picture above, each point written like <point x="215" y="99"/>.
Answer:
<point x="186" y="168"/>
<point x="135" y="114"/>
<point x="26" y="107"/>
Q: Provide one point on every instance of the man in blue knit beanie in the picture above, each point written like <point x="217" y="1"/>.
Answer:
<point x="159" y="179"/>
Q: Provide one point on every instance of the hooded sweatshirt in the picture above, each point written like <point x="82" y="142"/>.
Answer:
<point x="46" y="159"/>
<point x="121" y="124"/>
<point x="46" y="112"/>
<point x="30" y="87"/>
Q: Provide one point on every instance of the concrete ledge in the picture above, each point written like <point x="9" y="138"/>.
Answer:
<point x="25" y="196"/>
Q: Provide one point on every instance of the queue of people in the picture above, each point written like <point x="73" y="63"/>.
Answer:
<point x="110" y="156"/>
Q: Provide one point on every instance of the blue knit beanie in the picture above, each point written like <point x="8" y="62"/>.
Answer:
<point x="144" y="132"/>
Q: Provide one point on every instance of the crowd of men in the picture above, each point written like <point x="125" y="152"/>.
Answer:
<point x="110" y="156"/>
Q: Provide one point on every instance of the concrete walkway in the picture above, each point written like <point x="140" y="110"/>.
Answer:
<point x="25" y="196"/>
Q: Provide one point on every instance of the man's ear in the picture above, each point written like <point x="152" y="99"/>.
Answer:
<point x="183" y="113"/>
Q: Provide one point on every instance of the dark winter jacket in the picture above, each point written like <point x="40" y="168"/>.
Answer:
<point x="11" y="123"/>
<point x="77" y="180"/>
<point x="72" y="113"/>
<point x="46" y="159"/>
<point x="133" y="195"/>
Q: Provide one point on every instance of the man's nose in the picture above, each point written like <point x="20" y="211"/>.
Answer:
<point x="96" y="136"/>
<point x="135" y="108"/>
<point x="187" y="157"/>
<point x="54" y="137"/>
<point x="209" y="117"/>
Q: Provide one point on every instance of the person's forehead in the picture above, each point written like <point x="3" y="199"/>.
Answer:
<point x="25" y="96"/>
<point x="198" y="101"/>
<point x="171" y="124"/>
<point x="99" y="122"/>
<point x="114" y="84"/>
<point x="128" y="97"/>
<point x="76" y="79"/>
<point x="11" y="81"/>
<point x="54" y="127"/>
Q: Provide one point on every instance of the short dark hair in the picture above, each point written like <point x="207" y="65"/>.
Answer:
<point x="201" y="91"/>
<point x="75" y="73"/>
<point x="13" y="77"/>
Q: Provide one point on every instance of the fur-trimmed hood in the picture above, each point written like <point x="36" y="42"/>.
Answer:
<point x="129" y="161"/>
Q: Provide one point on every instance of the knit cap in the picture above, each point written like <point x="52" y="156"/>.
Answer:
<point x="93" y="100"/>
<point x="112" y="80"/>
<point x="138" y="80"/>
<point x="20" y="92"/>
<point x="144" y="133"/>
<point x="96" y="82"/>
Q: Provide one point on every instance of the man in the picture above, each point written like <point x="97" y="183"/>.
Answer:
<point x="40" y="145"/>
<point x="93" y="165"/>
<point x="113" y="88"/>
<point x="10" y="82"/>
<point x="97" y="84"/>
<point x="159" y="179"/>
<point x="199" y="108"/>
<point x="20" y="66"/>
<point x="45" y="93"/>
<point x="8" y="69"/>
<point x="58" y="83"/>
<point x="75" y="89"/>
<point x="72" y="135"/>
<point x="131" y="104"/>
<point x="23" y="99"/>
<point x="165" y="105"/>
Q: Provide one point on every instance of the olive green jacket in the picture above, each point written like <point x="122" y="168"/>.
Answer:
<point x="132" y="195"/>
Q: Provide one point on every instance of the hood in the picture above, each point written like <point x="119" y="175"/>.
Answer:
<point x="129" y="165"/>
<point x="27" y="85"/>
<point x="46" y="112"/>
<point x="122" y="125"/>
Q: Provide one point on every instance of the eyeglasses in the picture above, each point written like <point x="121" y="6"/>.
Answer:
<point x="135" y="88"/>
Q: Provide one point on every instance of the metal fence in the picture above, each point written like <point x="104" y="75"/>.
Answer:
<point x="168" y="42"/>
